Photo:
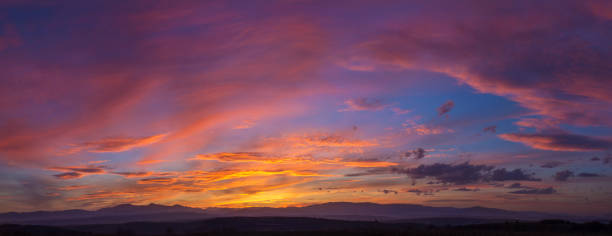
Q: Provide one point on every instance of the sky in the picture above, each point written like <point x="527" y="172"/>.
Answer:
<point x="503" y="104"/>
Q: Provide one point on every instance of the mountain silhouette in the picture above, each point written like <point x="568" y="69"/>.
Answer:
<point x="333" y="210"/>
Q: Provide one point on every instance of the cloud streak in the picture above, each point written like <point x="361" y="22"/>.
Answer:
<point x="363" y="104"/>
<point x="559" y="142"/>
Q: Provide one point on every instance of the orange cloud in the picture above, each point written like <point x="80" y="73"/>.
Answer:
<point x="245" y="124"/>
<point x="302" y="161"/>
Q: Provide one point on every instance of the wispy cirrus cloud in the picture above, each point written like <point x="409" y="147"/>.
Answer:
<point x="74" y="172"/>
<point x="116" y="144"/>
<point x="412" y="127"/>
<point x="68" y="175"/>
<point x="364" y="104"/>
<point x="559" y="141"/>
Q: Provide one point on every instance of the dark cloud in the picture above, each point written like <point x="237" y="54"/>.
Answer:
<point x="416" y="153"/>
<point x="491" y="129"/>
<point x="559" y="141"/>
<point x="387" y="191"/>
<point x="73" y="172"/>
<point x="463" y="173"/>
<point x="419" y="192"/>
<point x="548" y="190"/>
<point x="415" y="191"/>
<point x="446" y="107"/>
<point x="595" y="159"/>
<point x="68" y="175"/>
<point x="452" y="200"/>
<point x="516" y="175"/>
<point x="464" y="189"/>
<point x="516" y="185"/>
<point x="563" y="175"/>
<point x="551" y="164"/>
<point x="589" y="175"/>
<point x="459" y="174"/>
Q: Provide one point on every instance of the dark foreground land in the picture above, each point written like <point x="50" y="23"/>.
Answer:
<point x="310" y="226"/>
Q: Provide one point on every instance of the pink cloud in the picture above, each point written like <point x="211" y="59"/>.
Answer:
<point x="363" y="104"/>
<point x="559" y="141"/>
<point x="543" y="65"/>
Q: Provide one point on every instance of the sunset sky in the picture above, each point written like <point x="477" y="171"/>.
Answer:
<point x="504" y="104"/>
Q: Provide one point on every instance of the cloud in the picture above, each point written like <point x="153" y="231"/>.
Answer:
<point x="257" y="157"/>
<point x="82" y="169"/>
<point x="245" y="124"/>
<point x="68" y="175"/>
<point x="516" y="185"/>
<point x="387" y="191"/>
<point x="371" y="171"/>
<point x="464" y="173"/>
<point x="400" y="111"/>
<point x="117" y="144"/>
<point x="157" y="180"/>
<point x="464" y="189"/>
<point x="73" y="172"/>
<point x="424" y="129"/>
<point x="446" y="108"/>
<point x="542" y="191"/>
<point x="559" y="142"/>
<point x="589" y="175"/>
<point x="541" y="61"/>
<point x="73" y="187"/>
<point x="551" y="164"/>
<point x="363" y="104"/>
<point x="329" y="140"/>
<point x="516" y="175"/>
<point x="418" y="153"/>
<point x="419" y="192"/>
<point x="538" y="124"/>
<point x="133" y="174"/>
<point x="563" y="176"/>
<point x="490" y="129"/>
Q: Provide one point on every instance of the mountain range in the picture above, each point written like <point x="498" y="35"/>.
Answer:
<point x="333" y="210"/>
